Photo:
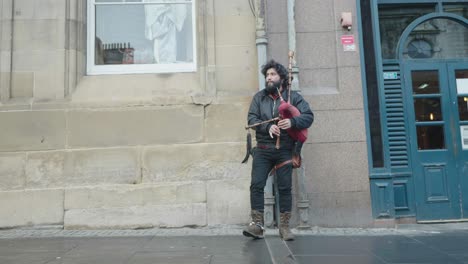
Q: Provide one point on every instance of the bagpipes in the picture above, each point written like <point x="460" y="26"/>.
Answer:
<point x="286" y="110"/>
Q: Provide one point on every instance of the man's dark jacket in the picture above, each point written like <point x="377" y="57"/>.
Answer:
<point x="264" y="107"/>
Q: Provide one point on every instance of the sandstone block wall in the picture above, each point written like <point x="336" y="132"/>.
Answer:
<point x="122" y="151"/>
<point x="164" y="150"/>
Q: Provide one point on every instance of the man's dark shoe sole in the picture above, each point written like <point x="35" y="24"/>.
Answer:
<point x="247" y="234"/>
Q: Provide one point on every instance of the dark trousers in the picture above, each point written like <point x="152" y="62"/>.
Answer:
<point x="263" y="161"/>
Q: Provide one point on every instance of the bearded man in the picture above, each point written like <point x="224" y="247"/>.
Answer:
<point x="266" y="156"/>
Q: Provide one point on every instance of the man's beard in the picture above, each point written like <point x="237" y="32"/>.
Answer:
<point x="272" y="88"/>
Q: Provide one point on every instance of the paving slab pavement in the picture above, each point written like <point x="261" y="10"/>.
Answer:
<point x="405" y="244"/>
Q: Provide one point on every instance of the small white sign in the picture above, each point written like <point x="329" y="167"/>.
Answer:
<point x="462" y="86"/>
<point x="351" y="47"/>
<point x="464" y="136"/>
<point x="390" y="75"/>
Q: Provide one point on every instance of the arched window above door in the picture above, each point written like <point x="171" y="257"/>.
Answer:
<point x="438" y="38"/>
<point x="393" y="20"/>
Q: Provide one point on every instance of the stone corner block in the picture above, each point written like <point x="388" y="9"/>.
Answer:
<point x="138" y="126"/>
<point x="169" y="216"/>
<point x="194" y="162"/>
<point x="225" y="123"/>
<point x="31" y="207"/>
<point x="119" y="196"/>
<point x="32" y="130"/>
<point x="12" y="176"/>
<point x="228" y="201"/>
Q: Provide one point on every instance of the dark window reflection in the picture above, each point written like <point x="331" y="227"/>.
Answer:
<point x="463" y="107"/>
<point x="376" y="140"/>
<point x="458" y="9"/>
<point x="427" y="109"/>
<point x="461" y="74"/>
<point x="439" y="39"/>
<point x="393" y="20"/>
<point x="431" y="137"/>
<point x="462" y="80"/>
<point x="425" y="82"/>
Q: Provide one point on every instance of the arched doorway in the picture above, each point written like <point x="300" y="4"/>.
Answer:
<point x="433" y="57"/>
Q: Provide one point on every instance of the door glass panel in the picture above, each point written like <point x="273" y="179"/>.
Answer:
<point x="438" y="38"/>
<point x="427" y="109"/>
<point x="425" y="82"/>
<point x="430" y="137"/>
<point x="461" y="77"/>
<point x="461" y="74"/>
<point x="463" y="107"/>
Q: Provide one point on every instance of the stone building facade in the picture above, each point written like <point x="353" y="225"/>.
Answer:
<point x="82" y="149"/>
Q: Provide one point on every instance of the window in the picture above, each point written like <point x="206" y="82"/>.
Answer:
<point x="439" y="39"/>
<point x="393" y="20"/>
<point x="460" y="9"/>
<point x="141" y="36"/>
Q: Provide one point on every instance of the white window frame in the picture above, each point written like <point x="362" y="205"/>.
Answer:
<point x="93" y="69"/>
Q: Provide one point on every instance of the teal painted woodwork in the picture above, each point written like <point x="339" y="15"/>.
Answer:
<point x="430" y="184"/>
<point x="439" y="183"/>
<point x="382" y="198"/>
<point x="400" y="189"/>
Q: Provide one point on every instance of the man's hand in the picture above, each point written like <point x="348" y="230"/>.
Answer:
<point x="274" y="130"/>
<point x="285" y="123"/>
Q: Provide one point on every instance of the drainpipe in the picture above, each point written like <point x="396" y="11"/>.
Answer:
<point x="303" y="201"/>
<point x="292" y="42"/>
<point x="261" y="40"/>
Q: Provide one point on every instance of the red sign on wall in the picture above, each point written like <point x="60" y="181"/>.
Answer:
<point x="348" y="43"/>
<point x="347" y="39"/>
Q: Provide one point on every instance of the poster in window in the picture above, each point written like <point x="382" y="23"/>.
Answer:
<point x="462" y="86"/>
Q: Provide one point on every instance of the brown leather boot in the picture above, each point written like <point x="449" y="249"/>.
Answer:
<point x="284" y="231"/>
<point x="255" y="228"/>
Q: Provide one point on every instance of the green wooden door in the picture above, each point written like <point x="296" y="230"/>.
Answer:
<point x="435" y="104"/>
